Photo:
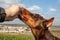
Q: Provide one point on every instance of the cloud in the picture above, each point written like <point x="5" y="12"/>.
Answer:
<point x="33" y="8"/>
<point x="11" y="1"/>
<point x="22" y="5"/>
<point x="51" y="10"/>
<point x="7" y="3"/>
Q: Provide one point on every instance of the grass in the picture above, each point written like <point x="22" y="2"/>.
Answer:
<point x="5" y="36"/>
<point x="16" y="37"/>
<point x="23" y="36"/>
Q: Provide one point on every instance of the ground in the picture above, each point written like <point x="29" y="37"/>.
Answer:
<point x="26" y="36"/>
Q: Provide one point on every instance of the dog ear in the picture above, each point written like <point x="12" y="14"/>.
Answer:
<point x="49" y="22"/>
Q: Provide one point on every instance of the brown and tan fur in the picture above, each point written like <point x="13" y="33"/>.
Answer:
<point x="39" y="26"/>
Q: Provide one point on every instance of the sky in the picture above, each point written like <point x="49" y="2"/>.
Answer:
<point x="46" y="8"/>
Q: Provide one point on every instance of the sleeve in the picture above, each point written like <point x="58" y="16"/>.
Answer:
<point x="2" y="14"/>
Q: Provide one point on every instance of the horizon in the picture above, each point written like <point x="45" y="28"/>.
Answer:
<point x="46" y="8"/>
<point x="22" y="24"/>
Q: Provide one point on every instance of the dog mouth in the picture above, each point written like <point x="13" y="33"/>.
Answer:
<point x="24" y="18"/>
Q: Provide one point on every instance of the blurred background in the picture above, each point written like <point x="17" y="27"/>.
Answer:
<point x="17" y="30"/>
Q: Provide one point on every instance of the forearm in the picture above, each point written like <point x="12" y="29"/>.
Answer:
<point x="5" y="15"/>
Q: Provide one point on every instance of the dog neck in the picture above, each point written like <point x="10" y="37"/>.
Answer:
<point x="42" y="35"/>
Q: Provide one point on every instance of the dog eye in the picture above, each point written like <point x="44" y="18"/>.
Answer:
<point x="35" y="18"/>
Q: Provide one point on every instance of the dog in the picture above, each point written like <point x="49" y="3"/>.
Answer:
<point x="39" y="25"/>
